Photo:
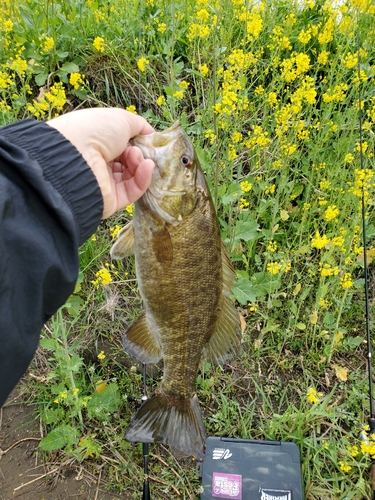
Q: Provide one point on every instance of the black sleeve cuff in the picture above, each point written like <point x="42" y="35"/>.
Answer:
<point x="64" y="168"/>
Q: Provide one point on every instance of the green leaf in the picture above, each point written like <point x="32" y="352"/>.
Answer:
<point x="297" y="190"/>
<point x="265" y="283"/>
<point x="75" y="362"/>
<point x="70" y="67"/>
<point x="244" y="292"/>
<point x="49" y="344"/>
<point x="246" y="230"/>
<point x="107" y="401"/>
<point x="52" y="415"/>
<point x="74" y="304"/>
<point x="58" y="438"/>
<point x="41" y="79"/>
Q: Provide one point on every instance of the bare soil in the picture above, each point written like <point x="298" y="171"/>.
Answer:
<point x="23" y="473"/>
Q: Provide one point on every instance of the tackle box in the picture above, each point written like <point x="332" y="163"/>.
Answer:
<point x="246" y="469"/>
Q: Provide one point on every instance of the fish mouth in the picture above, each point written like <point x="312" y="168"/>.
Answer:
<point x="157" y="144"/>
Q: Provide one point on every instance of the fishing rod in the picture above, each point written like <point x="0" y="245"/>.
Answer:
<point x="146" y="485"/>
<point x="371" y="418"/>
<point x="145" y="446"/>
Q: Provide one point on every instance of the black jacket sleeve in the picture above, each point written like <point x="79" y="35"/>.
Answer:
<point x="50" y="203"/>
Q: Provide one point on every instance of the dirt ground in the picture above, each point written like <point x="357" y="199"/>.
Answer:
<point x="24" y="475"/>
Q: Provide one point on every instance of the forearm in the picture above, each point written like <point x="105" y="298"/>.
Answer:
<point x="50" y="203"/>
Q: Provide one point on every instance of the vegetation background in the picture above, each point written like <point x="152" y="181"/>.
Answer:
<point x="269" y="92"/>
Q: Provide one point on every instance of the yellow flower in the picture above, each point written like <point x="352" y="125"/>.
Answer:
<point x="19" y="65"/>
<point x="331" y="212"/>
<point x="324" y="184"/>
<point x="76" y="80"/>
<point x="203" y="68"/>
<point x="179" y="94"/>
<point x="313" y="396"/>
<point x="270" y="189"/>
<point x="48" y="44"/>
<point x="323" y="57"/>
<point x="210" y="135"/>
<point x="348" y="158"/>
<point x="236" y="137"/>
<point x="350" y="60"/>
<point x="8" y="26"/>
<point x="272" y="246"/>
<point x="160" y="101"/>
<point x="142" y="63"/>
<point x="245" y="186"/>
<point x="244" y="203"/>
<point x="254" y="25"/>
<point x="319" y="241"/>
<point x="353" y="450"/>
<point x="103" y="277"/>
<point x="197" y="31"/>
<point x="131" y="109"/>
<point x="346" y="281"/>
<point x="98" y="43"/>
<point x="101" y="356"/>
<point x="272" y="98"/>
<point x="183" y="84"/>
<point x="5" y="80"/>
<point x="162" y="28"/>
<point x="273" y="267"/>
<point x="114" y="230"/>
<point x="344" y="466"/>
<point x="203" y="15"/>
<point x="130" y="209"/>
<point x="231" y="153"/>
<point x="56" y="96"/>
<point x="259" y="90"/>
<point x="323" y="303"/>
<point x="304" y="36"/>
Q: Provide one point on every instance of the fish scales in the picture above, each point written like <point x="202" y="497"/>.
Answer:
<point x="183" y="295"/>
<point x="185" y="275"/>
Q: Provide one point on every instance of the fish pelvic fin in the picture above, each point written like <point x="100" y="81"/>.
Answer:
<point x="140" y="342"/>
<point x="125" y="243"/>
<point x="226" y="340"/>
<point x="172" y="421"/>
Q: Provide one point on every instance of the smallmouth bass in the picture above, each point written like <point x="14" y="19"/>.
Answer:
<point x="185" y="277"/>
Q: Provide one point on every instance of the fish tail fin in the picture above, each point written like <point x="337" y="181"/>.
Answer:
<point x="172" y="421"/>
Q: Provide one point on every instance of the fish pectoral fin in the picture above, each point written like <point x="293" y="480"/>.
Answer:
<point x="140" y="342"/>
<point x="125" y="243"/>
<point x="162" y="245"/>
<point x="176" y="423"/>
<point x="226" y="340"/>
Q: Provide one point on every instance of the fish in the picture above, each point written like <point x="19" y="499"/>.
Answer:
<point x="185" y="278"/>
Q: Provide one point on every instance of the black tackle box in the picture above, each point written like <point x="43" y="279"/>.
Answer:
<point x="246" y="469"/>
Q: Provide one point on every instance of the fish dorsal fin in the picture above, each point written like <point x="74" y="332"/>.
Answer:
<point x="226" y="340"/>
<point x="140" y="342"/>
<point x="125" y="243"/>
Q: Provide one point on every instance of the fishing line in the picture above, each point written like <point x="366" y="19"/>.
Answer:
<point x="371" y="418"/>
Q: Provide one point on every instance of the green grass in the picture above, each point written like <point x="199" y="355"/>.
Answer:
<point x="268" y="93"/>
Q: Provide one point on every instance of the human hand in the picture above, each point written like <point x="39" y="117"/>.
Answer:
<point x="102" y="137"/>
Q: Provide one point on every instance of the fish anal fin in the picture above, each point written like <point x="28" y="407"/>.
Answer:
<point x="175" y="422"/>
<point x="140" y="342"/>
<point x="125" y="243"/>
<point x="226" y="340"/>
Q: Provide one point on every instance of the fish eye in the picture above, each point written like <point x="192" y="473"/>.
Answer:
<point x="186" y="161"/>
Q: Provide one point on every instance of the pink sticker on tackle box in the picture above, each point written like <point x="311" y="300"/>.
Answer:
<point x="227" y="486"/>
